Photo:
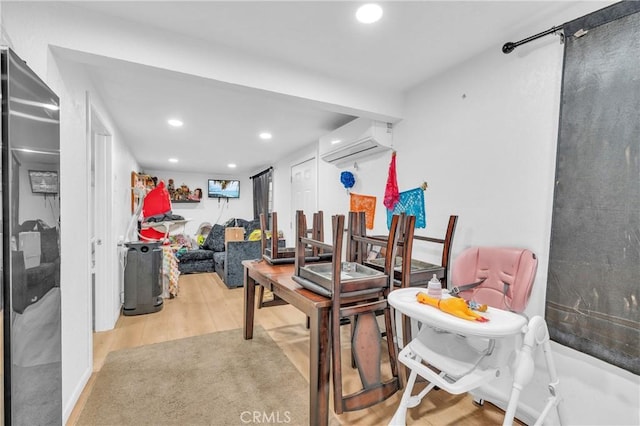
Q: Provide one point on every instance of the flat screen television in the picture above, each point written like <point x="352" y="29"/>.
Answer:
<point x="223" y="188"/>
<point x="43" y="182"/>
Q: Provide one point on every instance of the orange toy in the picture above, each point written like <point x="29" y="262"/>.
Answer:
<point x="454" y="306"/>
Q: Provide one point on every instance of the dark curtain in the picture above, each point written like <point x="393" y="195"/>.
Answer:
<point x="593" y="287"/>
<point x="261" y="190"/>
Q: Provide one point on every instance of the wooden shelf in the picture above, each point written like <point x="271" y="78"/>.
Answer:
<point x="184" y="201"/>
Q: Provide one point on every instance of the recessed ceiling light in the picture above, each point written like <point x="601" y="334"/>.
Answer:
<point x="173" y="160"/>
<point x="369" y="13"/>
<point x="231" y="165"/>
<point x="265" y="135"/>
<point x="174" y="122"/>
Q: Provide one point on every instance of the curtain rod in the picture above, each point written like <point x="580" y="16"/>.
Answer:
<point x="261" y="173"/>
<point x="510" y="46"/>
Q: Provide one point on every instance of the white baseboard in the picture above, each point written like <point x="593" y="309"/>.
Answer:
<point x="75" y="395"/>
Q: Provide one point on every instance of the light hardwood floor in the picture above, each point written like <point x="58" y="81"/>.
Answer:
<point x="205" y="305"/>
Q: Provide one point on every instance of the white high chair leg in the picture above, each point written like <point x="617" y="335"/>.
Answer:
<point x="537" y="334"/>
<point x="408" y="400"/>
<point x="400" y="416"/>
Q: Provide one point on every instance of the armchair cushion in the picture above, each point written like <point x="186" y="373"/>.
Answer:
<point x="215" y="239"/>
<point x="229" y="264"/>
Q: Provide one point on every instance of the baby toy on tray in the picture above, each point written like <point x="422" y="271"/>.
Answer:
<point x="452" y="305"/>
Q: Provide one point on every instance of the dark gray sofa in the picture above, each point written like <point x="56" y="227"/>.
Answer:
<point x="31" y="284"/>
<point x="228" y="263"/>
<point x="212" y="256"/>
<point x="195" y="261"/>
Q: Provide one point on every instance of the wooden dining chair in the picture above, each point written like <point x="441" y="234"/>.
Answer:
<point x="356" y="292"/>
<point x="272" y="251"/>
<point x="415" y="273"/>
<point x="441" y="270"/>
<point x="359" y="245"/>
<point x="420" y="271"/>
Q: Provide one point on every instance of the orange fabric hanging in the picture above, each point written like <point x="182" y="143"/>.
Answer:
<point x="366" y="204"/>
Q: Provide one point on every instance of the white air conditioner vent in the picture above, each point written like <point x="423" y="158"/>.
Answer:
<point x="357" y="139"/>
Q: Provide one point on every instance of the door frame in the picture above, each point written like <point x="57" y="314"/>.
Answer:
<point x="104" y="302"/>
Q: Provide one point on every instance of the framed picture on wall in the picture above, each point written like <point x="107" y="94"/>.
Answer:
<point x="43" y="182"/>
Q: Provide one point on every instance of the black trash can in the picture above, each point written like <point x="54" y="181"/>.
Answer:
<point x="143" y="279"/>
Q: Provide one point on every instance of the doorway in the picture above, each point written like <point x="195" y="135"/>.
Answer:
<point x="303" y="190"/>
<point x="104" y="289"/>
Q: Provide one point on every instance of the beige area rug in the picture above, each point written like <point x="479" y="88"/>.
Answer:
<point x="214" y="379"/>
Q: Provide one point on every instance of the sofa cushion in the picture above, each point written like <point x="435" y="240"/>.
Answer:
<point x="251" y="226"/>
<point x="192" y="255"/>
<point x="215" y="239"/>
<point x="218" y="260"/>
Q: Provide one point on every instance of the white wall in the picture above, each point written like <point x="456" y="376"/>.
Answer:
<point x="122" y="164"/>
<point x="30" y="41"/>
<point x="212" y="210"/>
<point x="484" y="138"/>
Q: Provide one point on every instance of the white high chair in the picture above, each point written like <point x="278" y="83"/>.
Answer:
<point x="459" y="355"/>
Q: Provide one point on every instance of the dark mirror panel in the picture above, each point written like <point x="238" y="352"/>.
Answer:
<point x="31" y="254"/>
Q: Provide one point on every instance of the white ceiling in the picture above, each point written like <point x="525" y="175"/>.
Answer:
<point x="413" y="42"/>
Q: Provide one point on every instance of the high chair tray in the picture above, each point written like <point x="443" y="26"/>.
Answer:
<point x="501" y="323"/>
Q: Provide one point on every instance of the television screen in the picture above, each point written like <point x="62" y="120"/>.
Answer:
<point x="43" y="182"/>
<point x="219" y="188"/>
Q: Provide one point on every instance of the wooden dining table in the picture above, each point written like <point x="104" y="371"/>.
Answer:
<point x="278" y="279"/>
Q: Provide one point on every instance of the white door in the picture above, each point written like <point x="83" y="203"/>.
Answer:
<point x="98" y="227"/>
<point x="303" y="191"/>
<point x="105" y="298"/>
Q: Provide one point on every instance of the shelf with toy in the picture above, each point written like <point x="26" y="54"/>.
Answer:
<point x="182" y="193"/>
<point x="167" y="227"/>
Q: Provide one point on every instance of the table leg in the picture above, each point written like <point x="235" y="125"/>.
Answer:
<point x="319" y="367"/>
<point x="249" y="304"/>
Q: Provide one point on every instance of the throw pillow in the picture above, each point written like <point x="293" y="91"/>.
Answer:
<point x="215" y="239"/>
<point x="251" y="226"/>
<point x="49" y="245"/>
<point x="256" y="235"/>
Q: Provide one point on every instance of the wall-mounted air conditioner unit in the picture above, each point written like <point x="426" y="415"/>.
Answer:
<point x="357" y="139"/>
